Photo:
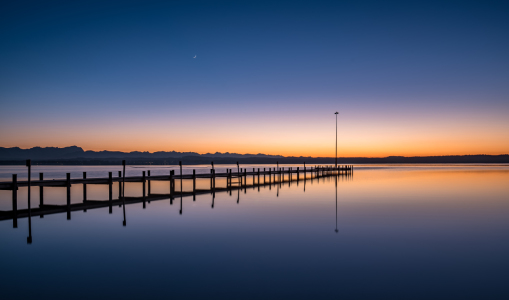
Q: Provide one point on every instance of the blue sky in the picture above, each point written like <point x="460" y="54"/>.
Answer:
<point x="85" y="65"/>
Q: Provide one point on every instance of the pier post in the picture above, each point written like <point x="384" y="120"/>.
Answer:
<point x="298" y="174"/>
<point x="119" y="185"/>
<point x="172" y="185"/>
<point x="15" y="200"/>
<point x="214" y="183"/>
<point x="124" y="222"/>
<point x="148" y="182"/>
<point x="230" y="181"/>
<point x="181" y="188"/>
<point x="194" y="185"/>
<point x="68" y="175"/>
<point x="84" y="188"/>
<point x="143" y="180"/>
<point x="41" y="194"/>
<point x="123" y="189"/>
<point x="29" y="165"/>
<point x="110" y="186"/>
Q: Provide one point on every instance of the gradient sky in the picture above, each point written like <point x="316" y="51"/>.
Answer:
<point x="408" y="78"/>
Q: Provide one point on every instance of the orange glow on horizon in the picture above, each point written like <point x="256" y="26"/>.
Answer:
<point x="358" y="135"/>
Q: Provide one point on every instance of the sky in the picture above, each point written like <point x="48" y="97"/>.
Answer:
<point x="408" y="78"/>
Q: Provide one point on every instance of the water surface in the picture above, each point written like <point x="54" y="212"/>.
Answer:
<point x="419" y="232"/>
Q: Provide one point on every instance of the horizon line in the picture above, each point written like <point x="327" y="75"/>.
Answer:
<point x="217" y="152"/>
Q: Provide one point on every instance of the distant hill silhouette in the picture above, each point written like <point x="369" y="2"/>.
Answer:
<point x="77" y="156"/>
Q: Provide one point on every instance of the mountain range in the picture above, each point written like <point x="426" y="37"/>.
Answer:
<point x="76" y="155"/>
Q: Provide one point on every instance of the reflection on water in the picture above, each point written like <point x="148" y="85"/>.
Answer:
<point x="401" y="232"/>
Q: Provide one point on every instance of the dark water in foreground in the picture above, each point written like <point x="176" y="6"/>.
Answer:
<point x="412" y="232"/>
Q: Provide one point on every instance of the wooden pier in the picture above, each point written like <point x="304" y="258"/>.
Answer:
<point x="235" y="180"/>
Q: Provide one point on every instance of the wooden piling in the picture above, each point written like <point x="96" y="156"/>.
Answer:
<point x="68" y="185"/>
<point x="119" y="185"/>
<point x="84" y="188"/>
<point x="143" y="181"/>
<point x="172" y="185"/>
<point x="15" y="200"/>
<point x="110" y="186"/>
<point x="194" y="185"/>
<point x="41" y="193"/>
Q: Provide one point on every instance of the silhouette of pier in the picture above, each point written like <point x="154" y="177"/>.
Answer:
<point x="240" y="179"/>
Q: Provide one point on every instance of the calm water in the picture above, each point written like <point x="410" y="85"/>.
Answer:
<point x="395" y="232"/>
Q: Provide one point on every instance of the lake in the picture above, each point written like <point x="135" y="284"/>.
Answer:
<point x="386" y="232"/>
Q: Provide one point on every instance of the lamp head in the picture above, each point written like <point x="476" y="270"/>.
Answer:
<point x="336" y="113"/>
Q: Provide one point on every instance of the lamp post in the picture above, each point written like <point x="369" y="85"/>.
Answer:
<point x="336" y="113"/>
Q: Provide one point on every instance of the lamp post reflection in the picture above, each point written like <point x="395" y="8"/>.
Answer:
<point x="336" y="204"/>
